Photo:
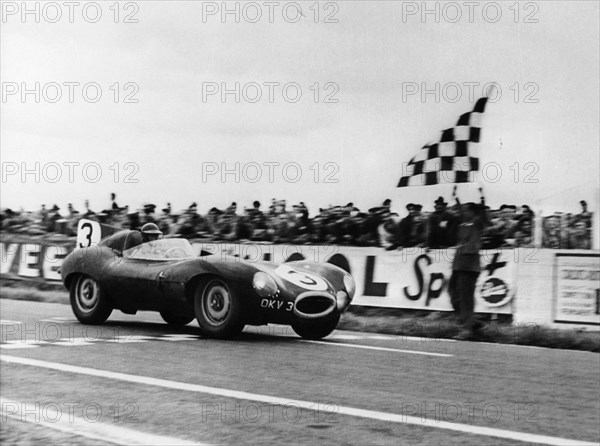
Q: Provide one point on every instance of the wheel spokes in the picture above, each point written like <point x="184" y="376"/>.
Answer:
<point x="217" y="304"/>
<point x="87" y="294"/>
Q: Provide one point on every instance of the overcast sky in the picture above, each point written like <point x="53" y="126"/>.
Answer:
<point x="546" y="120"/>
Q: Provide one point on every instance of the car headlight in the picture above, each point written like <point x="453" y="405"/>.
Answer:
<point x="350" y="285"/>
<point x="264" y="284"/>
<point x="342" y="300"/>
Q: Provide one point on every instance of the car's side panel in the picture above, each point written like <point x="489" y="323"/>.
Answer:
<point x="123" y="282"/>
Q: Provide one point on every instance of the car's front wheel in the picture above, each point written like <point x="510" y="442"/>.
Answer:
<point x="176" y="320"/>
<point x="90" y="305"/>
<point x="316" y="329"/>
<point x="218" y="309"/>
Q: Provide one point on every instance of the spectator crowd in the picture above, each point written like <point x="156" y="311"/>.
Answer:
<point x="509" y="225"/>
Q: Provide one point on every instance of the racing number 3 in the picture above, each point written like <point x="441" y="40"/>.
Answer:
<point x="88" y="236"/>
<point x="302" y="279"/>
<point x="88" y="233"/>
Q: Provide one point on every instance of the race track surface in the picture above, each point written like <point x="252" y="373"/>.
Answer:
<point x="136" y="380"/>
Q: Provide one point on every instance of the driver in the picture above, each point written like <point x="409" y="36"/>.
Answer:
<point x="150" y="232"/>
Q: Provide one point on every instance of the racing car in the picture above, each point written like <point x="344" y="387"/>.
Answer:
<point x="113" y="268"/>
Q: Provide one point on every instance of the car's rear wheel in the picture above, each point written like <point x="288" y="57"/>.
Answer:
<point x="89" y="303"/>
<point x="176" y="320"/>
<point x="316" y="329"/>
<point x="218" y="309"/>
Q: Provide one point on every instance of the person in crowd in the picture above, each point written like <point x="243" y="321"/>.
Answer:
<point x="243" y="227"/>
<point x="186" y="223"/>
<point x="273" y="207"/>
<point x="72" y="220"/>
<point x="349" y="224"/>
<point x="363" y="238"/>
<point x="227" y="223"/>
<point x="201" y="223"/>
<point x="578" y="236"/>
<point x="318" y="234"/>
<point x="568" y="221"/>
<point x="8" y="219"/>
<point x="279" y="226"/>
<point x="277" y="208"/>
<point x="73" y="213"/>
<point x="333" y="224"/>
<point x="300" y="225"/>
<point x="224" y="225"/>
<point x="254" y="213"/>
<point x="417" y="232"/>
<point x="148" y="214"/>
<point x="231" y="210"/>
<point x="584" y="215"/>
<point x="113" y="217"/>
<point x="375" y="217"/>
<point x="166" y="222"/>
<point x="524" y="232"/>
<point x="388" y="230"/>
<point x="132" y="220"/>
<point x="88" y="212"/>
<point x="43" y="214"/>
<point x="197" y="220"/>
<point x="526" y="212"/>
<point x="502" y="229"/>
<point x="551" y="234"/>
<point x="411" y="230"/>
<point x="442" y="226"/>
<point x="113" y="202"/>
<point x="33" y="223"/>
<point x="53" y="217"/>
<point x="257" y="222"/>
<point x="466" y="265"/>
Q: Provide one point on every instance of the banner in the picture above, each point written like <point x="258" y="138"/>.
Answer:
<point x="577" y="290"/>
<point x="40" y="260"/>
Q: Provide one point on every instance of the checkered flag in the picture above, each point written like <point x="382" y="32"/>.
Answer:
<point x="453" y="158"/>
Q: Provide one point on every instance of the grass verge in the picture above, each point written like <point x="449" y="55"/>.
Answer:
<point x="440" y="325"/>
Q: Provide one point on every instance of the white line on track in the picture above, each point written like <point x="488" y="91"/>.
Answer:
<point x="307" y="405"/>
<point x="57" y="420"/>
<point x="372" y="347"/>
<point x="423" y="339"/>
<point x="403" y="338"/>
<point x="61" y="320"/>
<point x="352" y="337"/>
<point x="17" y="346"/>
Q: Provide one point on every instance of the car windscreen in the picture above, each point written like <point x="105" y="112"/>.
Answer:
<point x="162" y="249"/>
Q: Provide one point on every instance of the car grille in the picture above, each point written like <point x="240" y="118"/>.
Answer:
<point x="314" y="305"/>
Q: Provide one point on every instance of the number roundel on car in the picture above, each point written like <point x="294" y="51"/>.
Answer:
<point x="89" y="234"/>
<point x="302" y="279"/>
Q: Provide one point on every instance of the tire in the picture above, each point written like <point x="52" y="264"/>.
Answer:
<point x="316" y="329"/>
<point x="218" y="309"/>
<point x="176" y="320"/>
<point x="88" y="302"/>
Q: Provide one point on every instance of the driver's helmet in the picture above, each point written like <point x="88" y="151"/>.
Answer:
<point x="150" y="232"/>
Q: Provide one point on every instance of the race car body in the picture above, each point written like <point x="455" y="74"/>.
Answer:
<point x="223" y="293"/>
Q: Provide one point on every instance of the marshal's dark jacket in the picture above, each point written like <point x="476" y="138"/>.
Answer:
<point x="469" y="242"/>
